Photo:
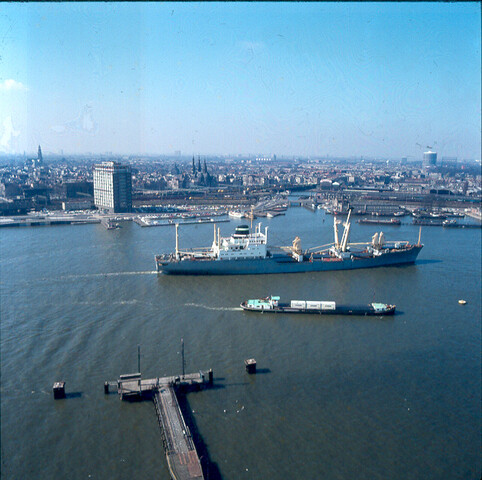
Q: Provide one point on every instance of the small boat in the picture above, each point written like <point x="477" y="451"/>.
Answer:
<point x="449" y="223"/>
<point x="462" y="302"/>
<point x="236" y="214"/>
<point x="109" y="224"/>
<point x="272" y="304"/>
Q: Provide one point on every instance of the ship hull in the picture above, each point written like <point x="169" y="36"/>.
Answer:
<point x="338" y="310"/>
<point x="280" y="263"/>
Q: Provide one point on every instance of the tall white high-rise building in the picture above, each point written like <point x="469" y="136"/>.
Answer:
<point x="113" y="187"/>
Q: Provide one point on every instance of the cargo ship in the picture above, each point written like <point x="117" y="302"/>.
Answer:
<point x="379" y="221"/>
<point x="272" y="304"/>
<point x="246" y="252"/>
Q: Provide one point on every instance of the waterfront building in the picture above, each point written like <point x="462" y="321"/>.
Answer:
<point x="113" y="187"/>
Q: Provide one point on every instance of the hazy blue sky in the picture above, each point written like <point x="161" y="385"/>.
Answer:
<point x="381" y="79"/>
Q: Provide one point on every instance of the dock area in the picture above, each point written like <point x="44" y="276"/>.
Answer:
<point x="182" y="458"/>
<point x="163" y="222"/>
<point x="40" y="221"/>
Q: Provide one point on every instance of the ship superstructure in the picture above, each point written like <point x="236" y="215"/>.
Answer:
<point x="241" y="245"/>
<point x="248" y="253"/>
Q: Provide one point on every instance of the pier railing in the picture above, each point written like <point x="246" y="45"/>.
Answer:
<point x="166" y="439"/>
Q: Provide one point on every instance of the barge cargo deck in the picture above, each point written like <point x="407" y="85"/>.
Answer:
<point x="271" y="304"/>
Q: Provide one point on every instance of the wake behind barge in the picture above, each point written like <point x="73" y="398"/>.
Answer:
<point x="272" y="304"/>
<point x="246" y="252"/>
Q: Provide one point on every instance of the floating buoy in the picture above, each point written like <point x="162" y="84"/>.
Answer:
<point x="462" y="302"/>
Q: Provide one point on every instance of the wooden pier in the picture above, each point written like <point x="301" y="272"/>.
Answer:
<point x="182" y="458"/>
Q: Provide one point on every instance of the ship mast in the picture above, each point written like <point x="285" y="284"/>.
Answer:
<point x="335" y="227"/>
<point x="346" y="231"/>
<point x="183" y="361"/>
<point x="177" y="241"/>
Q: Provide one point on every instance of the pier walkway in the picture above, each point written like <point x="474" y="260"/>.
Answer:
<point x="182" y="458"/>
<point x="181" y="454"/>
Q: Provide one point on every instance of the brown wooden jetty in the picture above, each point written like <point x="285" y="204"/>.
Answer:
<point x="182" y="458"/>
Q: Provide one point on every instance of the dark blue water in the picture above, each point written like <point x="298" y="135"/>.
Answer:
<point x="337" y="397"/>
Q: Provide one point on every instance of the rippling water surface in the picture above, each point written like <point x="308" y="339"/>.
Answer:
<point x="336" y="397"/>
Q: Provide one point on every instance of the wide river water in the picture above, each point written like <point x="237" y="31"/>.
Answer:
<point x="336" y="397"/>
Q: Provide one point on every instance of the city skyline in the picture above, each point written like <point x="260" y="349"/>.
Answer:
<point x="312" y="79"/>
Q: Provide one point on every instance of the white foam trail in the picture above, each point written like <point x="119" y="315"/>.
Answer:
<point x="221" y="309"/>
<point x="133" y="301"/>
<point x="109" y="274"/>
